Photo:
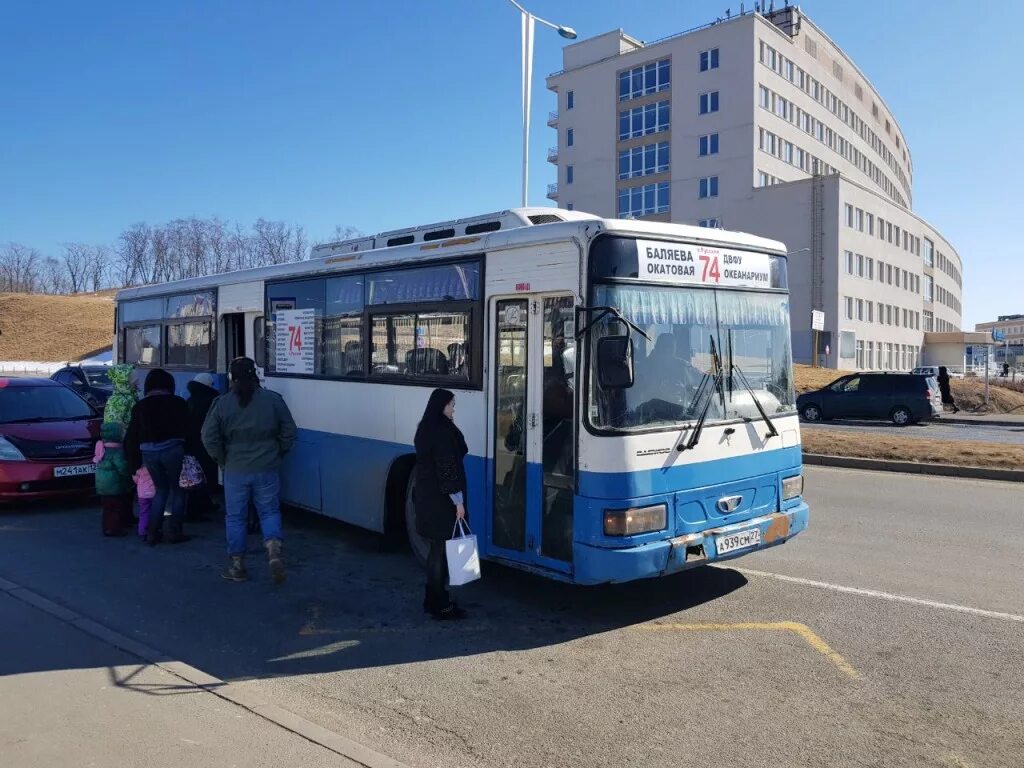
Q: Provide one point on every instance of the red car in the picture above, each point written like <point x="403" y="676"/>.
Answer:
<point x="47" y="438"/>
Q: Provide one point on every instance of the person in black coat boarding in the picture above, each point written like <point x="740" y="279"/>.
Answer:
<point x="440" y="494"/>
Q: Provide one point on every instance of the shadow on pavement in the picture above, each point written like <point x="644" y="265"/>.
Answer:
<point x="345" y="604"/>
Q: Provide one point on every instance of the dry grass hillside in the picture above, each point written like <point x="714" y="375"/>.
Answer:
<point x="54" y="328"/>
<point x="968" y="393"/>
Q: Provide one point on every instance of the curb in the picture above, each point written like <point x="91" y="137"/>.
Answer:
<point x="980" y="422"/>
<point x="915" y="468"/>
<point x="355" y="753"/>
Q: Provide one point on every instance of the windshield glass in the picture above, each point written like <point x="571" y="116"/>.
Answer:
<point x="748" y="330"/>
<point x="42" y="404"/>
<point x="97" y="377"/>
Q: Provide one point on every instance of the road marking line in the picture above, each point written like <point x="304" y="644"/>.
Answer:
<point x="803" y="630"/>
<point x="884" y="595"/>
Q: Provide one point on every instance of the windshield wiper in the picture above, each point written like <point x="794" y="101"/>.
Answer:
<point x="772" y="431"/>
<point x="716" y="386"/>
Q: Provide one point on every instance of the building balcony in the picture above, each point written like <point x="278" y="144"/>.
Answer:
<point x="552" y="191"/>
<point x="552" y="119"/>
<point x="553" y="155"/>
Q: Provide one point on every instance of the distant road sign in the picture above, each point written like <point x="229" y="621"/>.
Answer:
<point x="998" y="334"/>
<point x="817" y="320"/>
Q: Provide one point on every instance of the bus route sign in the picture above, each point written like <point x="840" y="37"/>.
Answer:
<point x="295" y="340"/>
<point x="667" y="262"/>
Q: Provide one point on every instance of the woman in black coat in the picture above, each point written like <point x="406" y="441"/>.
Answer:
<point x="440" y="494"/>
<point x="944" y="390"/>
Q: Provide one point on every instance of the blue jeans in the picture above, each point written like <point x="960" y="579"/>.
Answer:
<point x="262" y="488"/>
<point x="164" y="466"/>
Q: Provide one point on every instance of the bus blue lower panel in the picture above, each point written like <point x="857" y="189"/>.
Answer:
<point x="597" y="565"/>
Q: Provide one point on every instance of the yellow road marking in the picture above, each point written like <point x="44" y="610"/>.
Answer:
<point x="803" y="630"/>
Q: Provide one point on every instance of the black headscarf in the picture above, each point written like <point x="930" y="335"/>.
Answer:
<point x="158" y="380"/>
<point x="244" y="379"/>
<point x="434" y="420"/>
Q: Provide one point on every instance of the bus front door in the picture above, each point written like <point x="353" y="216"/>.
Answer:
<point x="534" y="441"/>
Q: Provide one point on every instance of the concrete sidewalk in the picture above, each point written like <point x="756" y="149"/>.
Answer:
<point x="67" y="697"/>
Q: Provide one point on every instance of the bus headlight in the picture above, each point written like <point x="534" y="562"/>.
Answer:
<point x="792" y="487"/>
<point x="629" y="522"/>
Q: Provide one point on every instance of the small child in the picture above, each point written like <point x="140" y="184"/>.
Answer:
<point x="113" y="480"/>
<point x="145" y="490"/>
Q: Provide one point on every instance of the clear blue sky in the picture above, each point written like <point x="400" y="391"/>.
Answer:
<point x="382" y="114"/>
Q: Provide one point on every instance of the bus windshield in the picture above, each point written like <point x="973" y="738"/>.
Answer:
<point x="674" y="371"/>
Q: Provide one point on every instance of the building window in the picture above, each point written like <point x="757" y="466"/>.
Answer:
<point x="568" y="174"/>
<point x="568" y="206"/>
<point x="709" y="144"/>
<point x="860" y="265"/>
<point x="870" y="271"/>
<point x="929" y="253"/>
<point x="641" y="121"/>
<point x="709" y="60"/>
<point x="849" y="262"/>
<point x="644" y="160"/>
<point x="860" y="220"/>
<point x="888" y="273"/>
<point x="860" y="309"/>
<point x="848" y="307"/>
<point x="929" y="288"/>
<point x="871" y="224"/>
<point x="710" y="223"/>
<point x="871" y="312"/>
<point x="644" y="80"/>
<point x="708" y="187"/>
<point x="849" y="215"/>
<point x="643" y="201"/>
<point x="708" y="102"/>
<point x="570" y="137"/>
<point x="570" y="99"/>
<point x="860" y="354"/>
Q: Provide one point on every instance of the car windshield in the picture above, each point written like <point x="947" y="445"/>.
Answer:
<point x="748" y="330"/>
<point x="42" y="403"/>
<point x="97" y="377"/>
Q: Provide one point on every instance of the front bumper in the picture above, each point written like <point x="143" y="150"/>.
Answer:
<point x="23" y="480"/>
<point x="597" y="565"/>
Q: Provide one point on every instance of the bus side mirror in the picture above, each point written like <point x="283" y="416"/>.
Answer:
<point x="615" y="362"/>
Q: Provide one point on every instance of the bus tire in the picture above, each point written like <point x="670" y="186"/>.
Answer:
<point x="420" y="546"/>
<point x="394" y="537"/>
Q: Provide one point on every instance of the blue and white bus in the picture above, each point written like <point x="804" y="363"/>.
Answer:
<point x="625" y="387"/>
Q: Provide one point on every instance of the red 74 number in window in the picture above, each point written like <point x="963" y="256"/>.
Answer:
<point x="294" y="338"/>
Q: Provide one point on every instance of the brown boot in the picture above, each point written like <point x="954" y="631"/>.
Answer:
<point x="236" y="569"/>
<point x="273" y="547"/>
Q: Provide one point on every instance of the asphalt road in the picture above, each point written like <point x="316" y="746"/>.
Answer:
<point x="933" y="430"/>
<point x="773" y="662"/>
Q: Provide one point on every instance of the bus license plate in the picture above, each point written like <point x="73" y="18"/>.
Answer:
<point x="741" y="540"/>
<point x="78" y="469"/>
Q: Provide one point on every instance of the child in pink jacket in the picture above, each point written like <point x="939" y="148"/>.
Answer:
<point x="145" y="490"/>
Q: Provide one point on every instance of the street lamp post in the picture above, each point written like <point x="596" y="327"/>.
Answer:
<point x="528" y="23"/>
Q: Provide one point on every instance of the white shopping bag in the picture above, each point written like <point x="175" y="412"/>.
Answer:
<point x="463" y="557"/>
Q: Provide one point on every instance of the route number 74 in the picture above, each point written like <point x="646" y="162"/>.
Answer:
<point x="710" y="268"/>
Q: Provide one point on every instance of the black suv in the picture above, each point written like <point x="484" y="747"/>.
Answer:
<point x="902" y="397"/>
<point x="89" y="381"/>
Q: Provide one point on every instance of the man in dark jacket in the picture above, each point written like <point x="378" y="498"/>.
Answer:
<point x="202" y="392"/>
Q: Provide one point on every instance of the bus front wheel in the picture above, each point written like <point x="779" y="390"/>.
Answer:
<point x="420" y="546"/>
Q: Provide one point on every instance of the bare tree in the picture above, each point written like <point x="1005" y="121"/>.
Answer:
<point x="132" y="255"/>
<point x="19" y="268"/>
<point x="76" y="262"/>
<point x="53" y="276"/>
<point x="98" y="268"/>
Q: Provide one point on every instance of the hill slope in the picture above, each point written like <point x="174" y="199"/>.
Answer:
<point x="54" y="328"/>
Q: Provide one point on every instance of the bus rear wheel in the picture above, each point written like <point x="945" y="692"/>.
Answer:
<point x="420" y="546"/>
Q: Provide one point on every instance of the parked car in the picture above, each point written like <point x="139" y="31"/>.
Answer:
<point x="90" y="381"/>
<point x="933" y="370"/>
<point x="47" y="437"/>
<point x="904" y="398"/>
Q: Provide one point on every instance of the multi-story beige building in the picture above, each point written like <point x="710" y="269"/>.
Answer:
<point x="761" y="123"/>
